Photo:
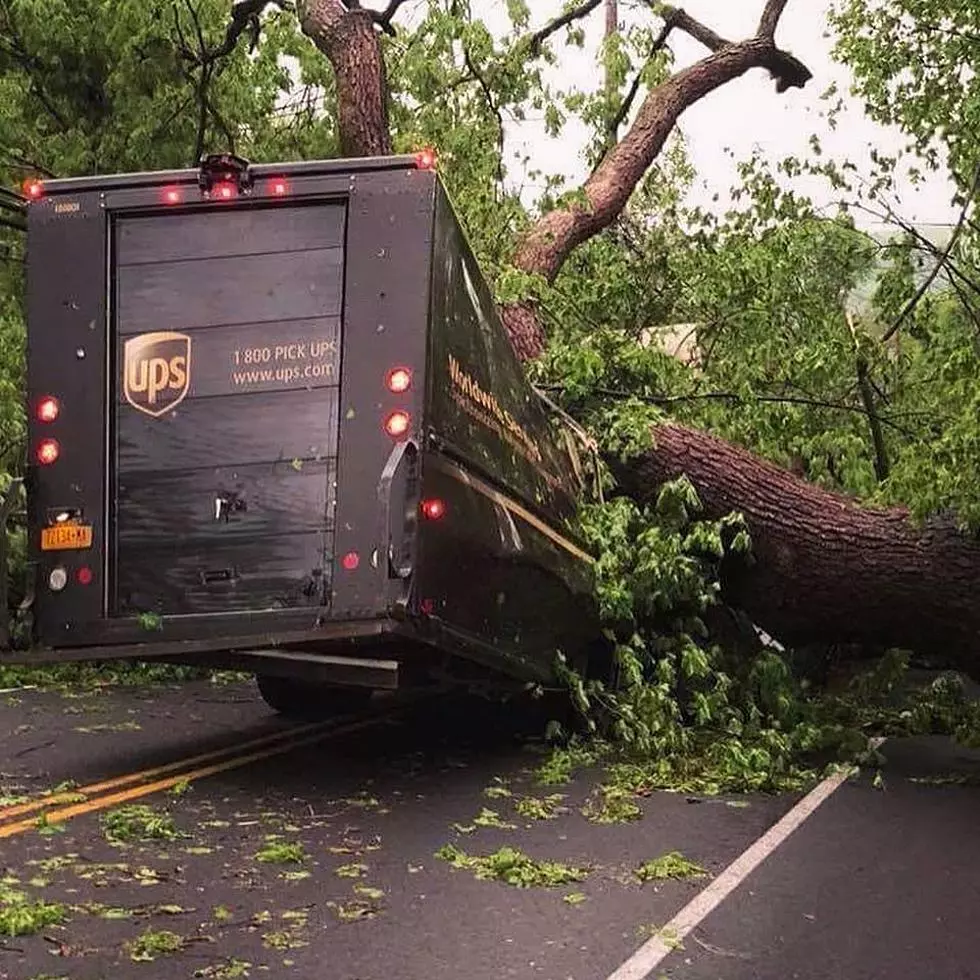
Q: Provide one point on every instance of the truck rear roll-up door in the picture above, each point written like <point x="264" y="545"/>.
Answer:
<point x="228" y="341"/>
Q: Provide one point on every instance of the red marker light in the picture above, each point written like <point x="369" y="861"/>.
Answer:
<point x="399" y="380"/>
<point x="351" y="560"/>
<point x="33" y="189"/>
<point x="225" y="191"/>
<point x="48" y="451"/>
<point x="397" y="424"/>
<point x="85" y="576"/>
<point x="426" y="159"/>
<point x="433" y="509"/>
<point x="171" y="196"/>
<point x="48" y="409"/>
<point x="280" y="188"/>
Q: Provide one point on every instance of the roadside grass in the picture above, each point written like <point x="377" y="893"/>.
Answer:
<point x="92" y="676"/>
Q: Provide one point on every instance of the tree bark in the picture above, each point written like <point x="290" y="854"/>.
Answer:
<point x="349" y="39"/>
<point x="824" y="568"/>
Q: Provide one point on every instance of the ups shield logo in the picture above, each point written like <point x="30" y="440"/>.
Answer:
<point x="156" y="371"/>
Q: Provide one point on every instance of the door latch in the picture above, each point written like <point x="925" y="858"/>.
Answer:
<point x="227" y="504"/>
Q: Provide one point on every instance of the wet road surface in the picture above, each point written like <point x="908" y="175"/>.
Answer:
<point x="321" y="862"/>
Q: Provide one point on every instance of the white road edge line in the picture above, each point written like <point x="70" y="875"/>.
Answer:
<point x="652" y="953"/>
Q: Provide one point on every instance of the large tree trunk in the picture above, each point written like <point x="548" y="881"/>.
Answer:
<point x="826" y="569"/>
<point x="349" y="39"/>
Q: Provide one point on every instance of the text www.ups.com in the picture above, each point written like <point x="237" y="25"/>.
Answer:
<point x="284" y="363"/>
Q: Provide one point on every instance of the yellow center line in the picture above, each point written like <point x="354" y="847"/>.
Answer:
<point x="111" y="799"/>
<point x="18" y="809"/>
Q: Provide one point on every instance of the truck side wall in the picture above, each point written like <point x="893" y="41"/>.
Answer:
<point x="499" y="565"/>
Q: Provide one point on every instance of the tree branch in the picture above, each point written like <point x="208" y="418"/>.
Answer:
<point x="551" y="240"/>
<point x="770" y="18"/>
<point x="383" y="18"/>
<point x="940" y="263"/>
<point x="491" y="105"/>
<point x="681" y="19"/>
<point x="244" y="15"/>
<point x="552" y="27"/>
<point x="671" y="17"/>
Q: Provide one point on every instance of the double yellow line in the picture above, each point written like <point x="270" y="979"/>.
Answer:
<point x="121" y="789"/>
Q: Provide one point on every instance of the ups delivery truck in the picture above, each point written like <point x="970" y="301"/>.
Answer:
<point x="276" y="425"/>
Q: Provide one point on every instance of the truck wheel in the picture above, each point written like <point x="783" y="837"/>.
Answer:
<point x="296" y="698"/>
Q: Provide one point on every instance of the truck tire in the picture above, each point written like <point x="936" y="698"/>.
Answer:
<point x="295" y="698"/>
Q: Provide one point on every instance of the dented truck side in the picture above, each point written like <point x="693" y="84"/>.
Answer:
<point x="276" y="424"/>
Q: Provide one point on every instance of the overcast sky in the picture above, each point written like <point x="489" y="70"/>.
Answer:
<point x="742" y="114"/>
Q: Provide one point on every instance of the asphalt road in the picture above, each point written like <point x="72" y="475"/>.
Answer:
<point x="877" y="883"/>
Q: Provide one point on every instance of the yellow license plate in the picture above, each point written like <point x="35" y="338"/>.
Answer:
<point x="66" y="537"/>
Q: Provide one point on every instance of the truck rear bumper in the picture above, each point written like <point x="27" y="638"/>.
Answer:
<point x="269" y="642"/>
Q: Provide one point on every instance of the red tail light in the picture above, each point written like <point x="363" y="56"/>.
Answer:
<point x="433" y="509"/>
<point x="225" y="191"/>
<point x="279" y="187"/>
<point x="48" y="409"/>
<point x="171" y="196"/>
<point x="399" y="380"/>
<point x="48" y="451"/>
<point x="397" y="424"/>
<point x="34" y="189"/>
<point x="351" y="560"/>
<point x="85" y="576"/>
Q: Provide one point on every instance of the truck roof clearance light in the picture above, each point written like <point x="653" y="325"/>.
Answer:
<point x="399" y="380"/>
<point x="433" y="509"/>
<point x="350" y="561"/>
<point x="48" y="409"/>
<point x="48" y="451"/>
<point x="396" y="425"/>
<point x="426" y="159"/>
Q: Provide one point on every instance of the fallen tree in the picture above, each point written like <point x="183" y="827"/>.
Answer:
<point x="825" y="567"/>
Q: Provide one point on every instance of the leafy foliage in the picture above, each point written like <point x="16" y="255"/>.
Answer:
<point x="513" y="867"/>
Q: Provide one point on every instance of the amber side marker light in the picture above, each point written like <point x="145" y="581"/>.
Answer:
<point x="48" y="451"/>
<point x="48" y="409"/>
<point x="397" y="424"/>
